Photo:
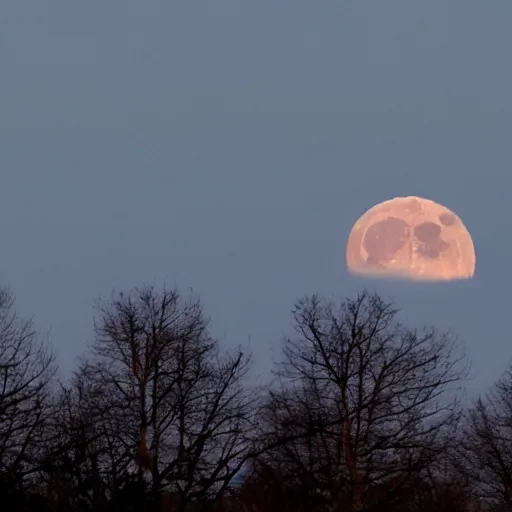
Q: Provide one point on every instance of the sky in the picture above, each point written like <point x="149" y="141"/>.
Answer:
<point x="229" y="147"/>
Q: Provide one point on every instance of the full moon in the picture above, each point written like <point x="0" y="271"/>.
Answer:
<point x="411" y="238"/>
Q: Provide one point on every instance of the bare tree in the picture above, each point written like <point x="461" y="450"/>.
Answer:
<point x="86" y="461"/>
<point x="184" y="402"/>
<point x="26" y="372"/>
<point x="485" y="456"/>
<point x="363" y="403"/>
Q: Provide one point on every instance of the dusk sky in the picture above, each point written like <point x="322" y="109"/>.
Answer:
<point x="229" y="146"/>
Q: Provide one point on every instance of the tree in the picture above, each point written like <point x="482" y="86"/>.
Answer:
<point x="186" y="412"/>
<point x="27" y="369"/>
<point x="363" y="403"/>
<point x="86" y="463"/>
<point x="485" y="455"/>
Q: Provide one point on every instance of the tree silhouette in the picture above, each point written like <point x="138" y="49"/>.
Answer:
<point x="485" y="455"/>
<point x="382" y="400"/>
<point x="364" y="413"/>
<point x="26" y="372"/>
<point x="184" y="401"/>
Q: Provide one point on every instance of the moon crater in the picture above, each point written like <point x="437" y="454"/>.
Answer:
<point x="384" y="238"/>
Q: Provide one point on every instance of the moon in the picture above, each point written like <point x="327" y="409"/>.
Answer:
<point x="411" y="238"/>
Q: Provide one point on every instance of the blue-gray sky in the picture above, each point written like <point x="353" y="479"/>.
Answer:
<point x="229" y="146"/>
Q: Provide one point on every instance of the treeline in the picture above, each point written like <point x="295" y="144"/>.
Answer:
<point x="363" y="413"/>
